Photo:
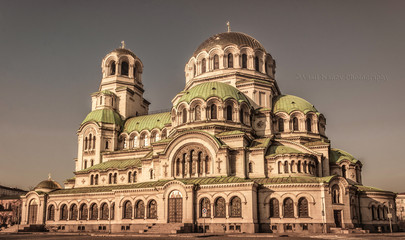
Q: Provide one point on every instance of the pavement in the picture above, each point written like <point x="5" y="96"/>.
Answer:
<point x="244" y="236"/>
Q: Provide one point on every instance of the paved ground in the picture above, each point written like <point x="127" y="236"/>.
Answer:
<point x="259" y="236"/>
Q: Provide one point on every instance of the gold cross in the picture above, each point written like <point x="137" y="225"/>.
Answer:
<point x="122" y="44"/>
<point x="229" y="26"/>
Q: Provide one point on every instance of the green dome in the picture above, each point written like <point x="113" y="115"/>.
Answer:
<point x="290" y="103"/>
<point x="337" y="155"/>
<point x="104" y="116"/>
<point x="147" y="122"/>
<point x="213" y="89"/>
<point x="48" y="184"/>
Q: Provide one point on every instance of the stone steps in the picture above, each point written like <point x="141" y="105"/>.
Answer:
<point x="32" y="228"/>
<point x="347" y="230"/>
<point x="163" y="228"/>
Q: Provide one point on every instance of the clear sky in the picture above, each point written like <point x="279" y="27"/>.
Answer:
<point x="345" y="57"/>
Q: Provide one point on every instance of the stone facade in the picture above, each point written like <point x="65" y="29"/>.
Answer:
<point x="10" y="206"/>
<point x="233" y="154"/>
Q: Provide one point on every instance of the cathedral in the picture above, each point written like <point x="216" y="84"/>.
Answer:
<point x="233" y="154"/>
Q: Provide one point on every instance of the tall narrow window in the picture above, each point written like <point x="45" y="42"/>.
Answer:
<point x="266" y="67"/>
<point x="152" y="209"/>
<point x="280" y="167"/>
<point x="257" y="67"/>
<point x="90" y="139"/>
<point x="203" y="65"/>
<point x="93" y="212"/>
<point x="288" y="208"/>
<point x="178" y="167"/>
<point x="299" y="166"/>
<point x="184" y="113"/>
<point x="235" y="207"/>
<point x="230" y="60"/>
<point x="151" y="174"/>
<point x="104" y="211"/>
<point x="112" y="211"/>
<point x="135" y="178"/>
<point x="64" y="212"/>
<point x="295" y="124"/>
<point x="73" y="212"/>
<point x="92" y="180"/>
<point x="250" y="167"/>
<point x="213" y="111"/>
<point x="124" y="68"/>
<point x="285" y="167"/>
<point x="281" y="125"/>
<point x="241" y="116"/>
<point x="139" y="209"/>
<point x="127" y="210"/>
<point x="106" y="145"/>
<point x="96" y="179"/>
<point x="135" y="71"/>
<point x="83" y="212"/>
<point x="197" y="113"/>
<point x="194" y="72"/>
<point x="309" y="124"/>
<point x="244" y="61"/>
<point x="229" y="113"/>
<point x="216" y="62"/>
<point x="112" y="68"/>
<point x="115" y="178"/>
<point x="129" y="177"/>
<point x="303" y="208"/>
<point x="85" y="164"/>
<point x="205" y="203"/>
<point x="110" y="178"/>
<point x="335" y="194"/>
<point x="274" y="208"/>
<point x="219" y="208"/>
<point x="91" y="162"/>
<point x="85" y="143"/>
<point x="344" y="171"/>
<point x="51" y="212"/>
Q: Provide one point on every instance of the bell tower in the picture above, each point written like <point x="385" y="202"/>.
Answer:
<point x="122" y="75"/>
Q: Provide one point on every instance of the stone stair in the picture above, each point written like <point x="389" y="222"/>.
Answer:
<point x="32" y="228"/>
<point x="167" y="228"/>
<point x="347" y="230"/>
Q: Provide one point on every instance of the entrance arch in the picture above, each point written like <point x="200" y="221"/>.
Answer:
<point x="175" y="207"/>
<point x="32" y="212"/>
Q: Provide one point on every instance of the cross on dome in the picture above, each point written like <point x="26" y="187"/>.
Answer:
<point x="122" y="44"/>
<point x="229" y="26"/>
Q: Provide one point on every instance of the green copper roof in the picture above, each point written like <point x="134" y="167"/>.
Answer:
<point x="260" y="143"/>
<point x="277" y="149"/>
<point x="337" y="155"/>
<point x="235" y="132"/>
<point x="211" y="89"/>
<point x="104" y="116"/>
<point x="362" y="188"/>
<point x="105" y="92"/>
<point x="286" y="180"/>
<point x="114" y="164"/>
<point x="147" y="122"/>
<point x="290" y="103"/>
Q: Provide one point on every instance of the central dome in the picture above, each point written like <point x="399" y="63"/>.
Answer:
<point x="229" y="38"/>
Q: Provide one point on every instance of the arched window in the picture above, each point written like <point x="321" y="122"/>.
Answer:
<point x="299" y="166"/>
<point x="93" y="212"/>
<point x="230" y="60"/>
<point x="184" y="113"/>
<point x="85" y="164"/>
<point x="373" y="215"/>
<point x="335" y="194"/>
<point x="92" y="163"/>
<point x="83" y="212"/>
<point x="104" y="211"/>
<point x="92" y="180"/>
<point x="94" y="142"/>
<point x="266" y="67"/>
<point x="110" y="178"/>
<point x="135" y="178"/>
<point x="135" y="141"/>
<point x="73" y="212"/>
<point x="280" y="167"/>
<point x="194" y="72"/>
<point x="90" y="139"/>
<point x="229" y="113"/>
<point x="309" y="124"/>
<point x="51" y="212"/>
<point x="124" y="68"/>
<point x="216" y="62"/>
<point x="203" y="65"/>
<point x="235" y="207"/>
<point x="127" y="210"/>
<point x="241" y="116"/>
<point x="285" y="167"/>
<point x="178" y="167"/>
<point x="344" y="171"/>
<point x="112" y="211"/>
<point x="152" y="209"/>
<point x="139" y="210"/>
<point x="200" y="163"/>
<point x="244" y="60"/>
<point x="250" y="167"/>
<point x="288" y="208"/>
<point x="101" y="100"/>
<point x="219" y="208"/>
<point x="135" y="71"/>
<point x="64" y="212"/>
<point x="129" y="177"/>
<point x="281" y="125"/>
<point x="151" y="174"/>
<point x="205" y="203"/>
<point x="257" y="67"/>
<point x="213" y="111"/>
<point x="85" y="143"/>
<point x="303" y="208"/>
<point x="112" y="68"/>
<point x="379" y="213"/>
<point x="197" y="113"/>
<point x="295" y="123"/>
<point x="96" y="179"/>
<point x="304" y="166"/>
<point x="274" y="208"/>
<point x="115" y="178"/>
<point x="106" y="145"/>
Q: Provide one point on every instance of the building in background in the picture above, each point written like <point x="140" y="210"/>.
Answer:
<point x="234" y="154"/>
<point x="10" y="206"/>
<point x="401" y="210"/>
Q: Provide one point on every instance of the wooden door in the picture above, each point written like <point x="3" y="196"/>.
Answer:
<point x="175" y="207"/>
<point x="32" y="214"/>
<point x="338" y="218"/>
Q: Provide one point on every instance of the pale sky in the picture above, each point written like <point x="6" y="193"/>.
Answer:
<point x="345" y="57"/>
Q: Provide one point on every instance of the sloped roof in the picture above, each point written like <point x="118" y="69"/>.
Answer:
<point x="104" y="116"/>
<point x="260" y="143"/>
<point x="286" y="180"/>
<point x="114" y="164"/>
<point x="277" y="149"/>
<point x="338" y="155"/>
<point x="147" y="122"/>
<point x="290" y="103"/>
